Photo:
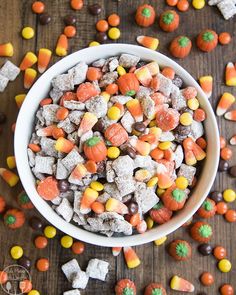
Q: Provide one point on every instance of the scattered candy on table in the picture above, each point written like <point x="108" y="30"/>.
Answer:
<point x="179" y="284"/>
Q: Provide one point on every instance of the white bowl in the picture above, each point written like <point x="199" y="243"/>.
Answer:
<point x="25" y="123"/>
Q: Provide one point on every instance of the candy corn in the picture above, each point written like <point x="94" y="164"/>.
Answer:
<point x="62" y="45"/>
<point x="164" y="178"/>
<point x="89" y="196"/>
<point x="135" y="109"/>
<point x="10" y="177"/>
<point x="131" y="257"/>
<point x="29" y="77"/>
<point x="144" y="76"/>
<point x="192" y="152"/>
<point x="114" y="205"/>
<point x="149" y="42"/>
<point x="44" y="58"/>
<point x="46" y="131"/>
<point x="78" y="173"/>
<point x="142" y="147"/>
<point x="226" y="100"/>
<point x="116" y="251"/>
<point x="87" y="123"/>
<point x="233" y="140"/>
<point x="230" y="115"/>
<point x="206" y="82"/>
<point x="180" y="284"/>
<point x="6" y="49"/>
<point x="63" y="145"/>
<point x="230" y="75"/>
<point x="19" y="99"/>
<point x="29" y="59"/>
<point x="11" y="162"/>
<point x="153" y="68"/>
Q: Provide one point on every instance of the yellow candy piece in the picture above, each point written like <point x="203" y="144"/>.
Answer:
<point x="121" y="71"/>
<point x="229" y="195"/>
<point x="152" y="123"/>
<point x="181" y="182"/>
<point x="89" y="192"/>
<point x="113" y="152"/>
<point x="186" y="119"/>
<point x="66" y="241"/>
<point x="160" y="241"/>
<point x="19" y="99"/>
<point x="16" y="252"/>
<point x="160" y="191"/>
<point x="11" y="162"/>
<point x="193" y="104"/>
<point x="34" y="292"/>
<point x="149" y="222"/>
<point x="114" y="33"/>
<point x="27" y="33"/>
<point x="94" y="43"/>
<point x="224" y="265"/>
<point x="198" y="4"/>
<point x="152" y="182"/>
<point x="164" y="145"/>
<point x="113" y="113"/>
<point x="50" y="231"/>
<point x="97" y="186"/>
<point x="142" y="175"/>
<point x="106" y="95"/>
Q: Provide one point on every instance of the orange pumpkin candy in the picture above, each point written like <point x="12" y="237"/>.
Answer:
<point x="116" y="134"/>
<point x="169" y="21"/>
<point x="14" y="218"/>
<point x="2" y="204"/>
<point x="180" y="47"/>
<point x="207" y="40"/>
<point x="145" y="15"/>
<point x="95" y="149"/>
<point x="173" y="198"/>
<point x="24" y="201"/>
<point x="128" y="84"/>
<point x="155" y="288"/>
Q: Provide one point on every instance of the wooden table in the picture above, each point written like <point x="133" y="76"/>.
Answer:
<point x="156" y="264"/>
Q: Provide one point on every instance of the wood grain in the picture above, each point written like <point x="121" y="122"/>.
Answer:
<point x="156" y="264"/>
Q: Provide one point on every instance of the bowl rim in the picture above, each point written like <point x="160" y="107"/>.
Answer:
<point x="74" y="230"/>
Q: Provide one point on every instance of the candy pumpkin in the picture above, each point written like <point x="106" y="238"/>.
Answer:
<point x="174" y="198"/>
<point x="145" y="15"/>
<point x="95" y="149"/>
<point x="180" y="47"/>
<point x="201" y="232"/>
<point x="207" y="40"/>
<point x="155" y="288"/>
<point x="24" y="201"/>
<point x="116" y="134"/>
<point x="180" y="250"/>
<point x="169" y="21"/>
<point x="14" y="218"/>
<point x="125" y="286"/>
<point x="2" y="204"/>
<point x="128" y="84"/>
<point x="160" y="214"/>
<point x="208" y="209"/>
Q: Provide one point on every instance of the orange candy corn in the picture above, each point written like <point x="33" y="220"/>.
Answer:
<point x="6" y="49"/>
<point x="153" y="68"/>
<point x="180" y="284"/>
<point x="164" y="178"/>
<point x="46" y="131"/>
<point x="79" y="172"/>
<point x="88" y="198"/>
<point x="10" y="177"/>
<point x="230" y="115"/>
<point x="131" y="257"/>
<point x="149" y="42"/>
<point x="62" y="45"/>
<point x="142" y="147"/>
<point x="226" y="100"/>
<point x="116" y="251"/>
<point x="230" y="75"/>
<point x="29" y="77"/>
<point x="44" y="58"/>
<point x="192" y="151"/>
<point x="144" y="76"/>
<point x="63" y="145"/>
<point x="29" y="59"/>
<point x="206" y="82"/>
<point x="233" y="140"/>
<point x="87" y="123"/>
<point x="114" y="205"/>
<point x="19" y="99"/>
<point x="135" y="109"/>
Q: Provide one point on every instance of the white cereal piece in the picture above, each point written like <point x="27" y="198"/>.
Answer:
<point x="127" y="121"/>
<point x="213" y="2"/>
<point x="79" y="219"/>
<point x="3" y="83"/>
<point x="79" y="73"/>
<point x="127" y="198"/>
<point x="125" y="184"/>
<point x="122" y="99"/>
<point x="128" y="60"/>
<point x="44" y="164"/>
<point x="39" y="116"/>
<point x="143" y="91"/>
<point x="87" y="179"/>
<point x="145" y="197"/>
<point x="65" y="210"/>
<point x="110" y="173"/>
<point x="75" y="117"/>
<point x="177" y="99"/>
<point x="112" y="190"/>
<point x="69" y="195"/>
<point x="97" y="105"/>
<point x="108" y="78"/>
<point x="83" y="138"/>
<point x="120" y="226"/>
<point x="110" y="215"/>
<point x="77" y="200"/>
<point x="55" y="94"/>
<point x="56" y="201"/>
<point x="72" y="292"/>
<point x="73" y="137"/>
<point x="165" y="85"/>
<point x="74" y="105"/>
<point x="48" y="147"/>
<point x="80" y="280"/>
<point x="188" y="172"/>
<point x="31" y="157"/>
<point x="123" y="165"/>
<point x="97" y="269"/>
<point x="67" y="126"/>
<point x="38" y="175"/>
<point x="70" y="269"/>
<point x="113" y="64"/>
<point x="103" y="197"/>
<point x="142" y="161"/>
<point x="179" y="156"/>
<point x="107" y="122"/>
<point x="49" y="113"/>
<point x="99" y="63"/>
<point x="197" y="130"/>
<point x="72" y="159"/>
<point x="167" y="136"/>
<point x="97" y="224"/>
<point x="148" y="106"/>
<point x="9" y="70"/>
<point x="227" y="8"/>
<point x="61" y="171"/>
<point x="63" y="82"/>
